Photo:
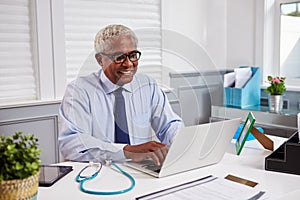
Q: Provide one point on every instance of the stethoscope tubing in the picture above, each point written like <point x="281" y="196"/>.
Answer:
<point x="82" y="180"/>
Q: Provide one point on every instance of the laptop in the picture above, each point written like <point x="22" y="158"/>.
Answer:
<point x="193" y="147"/>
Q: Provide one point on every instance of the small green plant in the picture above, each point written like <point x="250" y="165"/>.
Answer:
<point x="19" y="156"/>
<point x="277" y="86"/>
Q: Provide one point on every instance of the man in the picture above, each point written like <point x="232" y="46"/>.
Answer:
<point x="90" y="127"/>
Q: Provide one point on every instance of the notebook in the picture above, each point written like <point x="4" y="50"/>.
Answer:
<point x="193" y="147"/>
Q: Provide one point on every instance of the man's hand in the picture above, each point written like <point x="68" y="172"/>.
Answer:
<point x="154" y="150"/>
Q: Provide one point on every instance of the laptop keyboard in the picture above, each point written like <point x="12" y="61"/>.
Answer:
<point x="149" y="164"/>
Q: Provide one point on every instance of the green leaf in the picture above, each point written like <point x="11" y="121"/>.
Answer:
<point x="19" y="156"/>
<point x="19" y="166"/>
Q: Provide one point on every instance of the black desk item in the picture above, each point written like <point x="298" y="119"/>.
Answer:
<point x="286" y="158"/>
<point x="49" y="174"/>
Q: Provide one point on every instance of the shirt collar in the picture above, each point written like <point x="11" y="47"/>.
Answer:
<point x="109" y="86"/>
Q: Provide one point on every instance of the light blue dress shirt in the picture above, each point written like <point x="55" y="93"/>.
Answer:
<point x="87" y="120"/>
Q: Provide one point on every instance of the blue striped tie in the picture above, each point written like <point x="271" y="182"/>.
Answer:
<point x="121" y="129"/>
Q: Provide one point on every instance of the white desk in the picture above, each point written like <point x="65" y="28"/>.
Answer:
<point x="249" y="165"/>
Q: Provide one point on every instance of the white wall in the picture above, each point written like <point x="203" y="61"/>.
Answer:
<point x="194" y="35"/>
<point x="210" y="34"/>
<point x="241" y="33"/>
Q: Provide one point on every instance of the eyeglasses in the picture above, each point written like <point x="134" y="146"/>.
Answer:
<point x="120" y="58"/>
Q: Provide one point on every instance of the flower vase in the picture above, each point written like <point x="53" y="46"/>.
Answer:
<point x="275" y="103"/>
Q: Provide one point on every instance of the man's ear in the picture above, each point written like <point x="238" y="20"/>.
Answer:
<point x="98" y="57"/>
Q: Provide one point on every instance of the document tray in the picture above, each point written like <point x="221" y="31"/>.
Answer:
<point x="286" y="158"/>
<point x="247" y="96"/>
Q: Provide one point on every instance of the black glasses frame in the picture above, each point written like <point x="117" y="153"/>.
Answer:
<point x="120" y="58"/>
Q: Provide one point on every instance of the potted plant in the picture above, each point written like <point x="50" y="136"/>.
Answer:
<point x="19" y="166"/>
<point x="276" y="90"/>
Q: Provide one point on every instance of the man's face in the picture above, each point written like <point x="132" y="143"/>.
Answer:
<point x="119" y="73"/>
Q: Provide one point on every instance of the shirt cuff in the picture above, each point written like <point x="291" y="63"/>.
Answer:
<point x="120" y="156"/>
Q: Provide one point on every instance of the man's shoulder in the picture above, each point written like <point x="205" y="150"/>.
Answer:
<point x="86" y="81"/>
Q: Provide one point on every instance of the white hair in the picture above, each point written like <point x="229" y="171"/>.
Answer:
<point x="104" y="36"/>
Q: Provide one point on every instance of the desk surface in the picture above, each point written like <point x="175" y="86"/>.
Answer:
<point x="249" y="165"/>
<point x="284" y="119"/>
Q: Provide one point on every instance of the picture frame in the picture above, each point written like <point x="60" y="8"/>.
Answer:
<point x="242" y="137"/>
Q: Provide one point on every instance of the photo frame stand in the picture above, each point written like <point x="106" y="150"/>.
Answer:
<point x="266" y="142"/>
<point x="248" y="127"/>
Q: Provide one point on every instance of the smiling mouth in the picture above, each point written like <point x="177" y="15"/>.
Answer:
<point x="126" y="72"/>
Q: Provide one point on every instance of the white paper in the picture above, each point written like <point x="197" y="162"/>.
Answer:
<point x="212" y="188"/>
<point x="242" y="75"/>
<point x="229" y="79"/>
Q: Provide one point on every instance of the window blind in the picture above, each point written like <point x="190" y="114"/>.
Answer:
<point x="17" y="80"/>
<point x="84" y="18"/>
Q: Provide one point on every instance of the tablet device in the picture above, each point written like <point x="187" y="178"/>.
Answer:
<point x="49" y="174"/>
<point x="242" y="137"/>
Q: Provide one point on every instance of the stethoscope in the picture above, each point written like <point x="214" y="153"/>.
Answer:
<point x="82" y="179"/>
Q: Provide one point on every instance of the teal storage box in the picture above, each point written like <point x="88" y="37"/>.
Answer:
<point x="247" y="96"/>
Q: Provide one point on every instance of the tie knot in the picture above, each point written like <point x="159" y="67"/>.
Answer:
<point x="118" y="91"/>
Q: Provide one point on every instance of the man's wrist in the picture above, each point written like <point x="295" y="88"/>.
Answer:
<point x="126" y="151"/>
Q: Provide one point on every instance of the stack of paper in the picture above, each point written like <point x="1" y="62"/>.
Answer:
<point x="210" y="187"/>
<point x="238" y="78"/>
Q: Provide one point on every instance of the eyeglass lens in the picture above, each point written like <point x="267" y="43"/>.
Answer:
<point x="133" y="56"/>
